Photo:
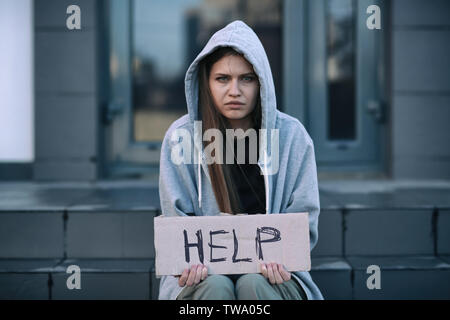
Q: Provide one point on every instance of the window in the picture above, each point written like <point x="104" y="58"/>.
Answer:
<point x="166" y="38"/>
<point x="341" y="50"/>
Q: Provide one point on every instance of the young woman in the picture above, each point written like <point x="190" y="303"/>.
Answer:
<point x="230" y="86"/>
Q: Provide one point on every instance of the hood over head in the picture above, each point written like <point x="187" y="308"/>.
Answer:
<point x="244" y="40"/>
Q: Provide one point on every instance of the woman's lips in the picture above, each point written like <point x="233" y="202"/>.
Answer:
<point x="235" y="106"/>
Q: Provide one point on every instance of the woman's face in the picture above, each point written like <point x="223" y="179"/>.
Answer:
<point x="234" y="88"/>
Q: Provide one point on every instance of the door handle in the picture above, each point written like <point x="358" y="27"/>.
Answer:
<point x="376" y="109"/>
<point x="111" y="110"/>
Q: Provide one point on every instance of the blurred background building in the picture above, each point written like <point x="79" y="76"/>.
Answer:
<point x="83" y="113"/>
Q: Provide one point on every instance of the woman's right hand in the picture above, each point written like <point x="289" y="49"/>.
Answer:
<point x="193" y="276"/>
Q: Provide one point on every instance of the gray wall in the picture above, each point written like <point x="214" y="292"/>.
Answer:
<point x="66" y="92"/>
<point x="421" y="88"/>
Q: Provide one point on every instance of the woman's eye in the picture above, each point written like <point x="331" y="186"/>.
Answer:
<point x="248" y="78"/>
<point x="222" y="78"/>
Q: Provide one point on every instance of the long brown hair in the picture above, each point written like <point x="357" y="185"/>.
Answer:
<point x="222" y="183"/>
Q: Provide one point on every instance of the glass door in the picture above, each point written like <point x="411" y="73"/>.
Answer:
<point x="151" y="45"/>
<point x="345" y="85"/>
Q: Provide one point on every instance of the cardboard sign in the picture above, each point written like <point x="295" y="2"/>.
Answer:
<point x="232" y="244"/>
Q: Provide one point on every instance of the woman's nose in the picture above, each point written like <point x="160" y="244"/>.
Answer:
<point x="234" y="89"/>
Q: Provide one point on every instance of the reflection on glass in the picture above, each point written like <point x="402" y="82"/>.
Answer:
<point x="168" y="35"/>
<point x="341" y="69"/>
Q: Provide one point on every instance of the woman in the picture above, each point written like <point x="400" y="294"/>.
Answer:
<point x="230" y="86"/>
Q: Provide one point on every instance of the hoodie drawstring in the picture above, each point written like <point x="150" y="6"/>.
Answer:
<point x="199" y="179"/>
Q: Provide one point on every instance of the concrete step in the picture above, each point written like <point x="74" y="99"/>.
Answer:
<point x="413" y="277"/>
<point x="401" y="277"/>
<point x="383" y="232"/>
<point x="43" y="226"/>
<point x="97" y="233"/>
<point x="333" y="276"/>
<point x="115" y="220"/>
<point x="77" y="233"/>
<point x="100" y="279"/>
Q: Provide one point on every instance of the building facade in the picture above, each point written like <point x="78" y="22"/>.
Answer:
<point x="375" y="101"/>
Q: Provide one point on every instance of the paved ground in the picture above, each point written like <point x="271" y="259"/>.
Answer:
<point x="141" y="195"/>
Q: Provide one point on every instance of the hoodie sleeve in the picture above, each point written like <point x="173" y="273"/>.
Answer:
<point x="305" y="194"/>
<point x="176" y="183"/>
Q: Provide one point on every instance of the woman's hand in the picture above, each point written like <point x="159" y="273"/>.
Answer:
<point x="193" y="275"/>
<point x="275" y="272"/>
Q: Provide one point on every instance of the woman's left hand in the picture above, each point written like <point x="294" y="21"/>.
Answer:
<point x="275" y="272"/>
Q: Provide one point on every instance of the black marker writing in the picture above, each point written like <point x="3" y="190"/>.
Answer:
<point x="267" y="230"/>
<point x="211" y="233"/>
<point x="199" y="246"/>
<point x="236" y="246"/>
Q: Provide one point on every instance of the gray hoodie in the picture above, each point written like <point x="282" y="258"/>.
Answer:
<point x="185" y="189"/>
